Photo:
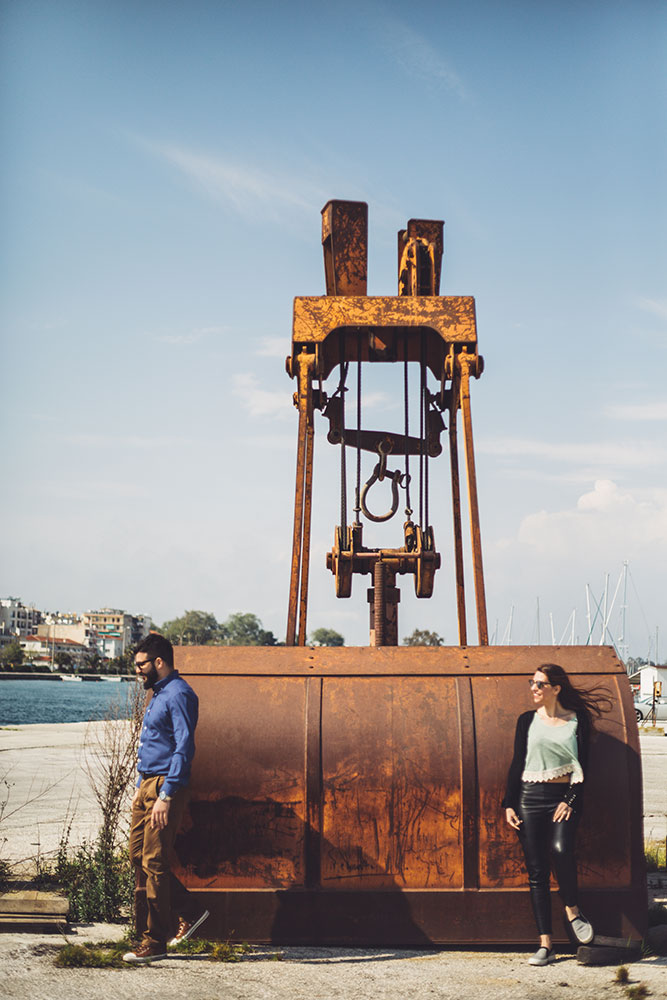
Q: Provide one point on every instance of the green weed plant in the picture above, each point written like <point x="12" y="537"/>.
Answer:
<point x="100" y="955"/>
<point x="654" y="853"/>
<point x="98" y="880"/>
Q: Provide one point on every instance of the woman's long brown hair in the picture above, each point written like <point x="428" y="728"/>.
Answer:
<point x="592" y="702"/>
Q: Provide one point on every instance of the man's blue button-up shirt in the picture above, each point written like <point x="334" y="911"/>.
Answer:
<point x="167" y="740"/>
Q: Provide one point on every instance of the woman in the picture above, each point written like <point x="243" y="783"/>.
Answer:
<point x="543" y="798"/>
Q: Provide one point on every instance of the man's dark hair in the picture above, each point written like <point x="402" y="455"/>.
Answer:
<point x="156" y="645"/>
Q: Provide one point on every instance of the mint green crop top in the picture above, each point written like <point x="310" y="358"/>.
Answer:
<point x="551" y="751"/>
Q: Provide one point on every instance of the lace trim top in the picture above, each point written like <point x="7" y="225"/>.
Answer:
<point x="551" y="751"/>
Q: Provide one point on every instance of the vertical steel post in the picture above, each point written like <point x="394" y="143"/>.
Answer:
<point x="456" y="511"/>
<point x="307" y="512"/>
<point x="464" y="360"/>
<point x="305" y="363"/>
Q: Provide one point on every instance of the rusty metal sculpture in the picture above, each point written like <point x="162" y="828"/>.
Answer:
<point x="419" y="326"/>
<point x="352" y="795"/>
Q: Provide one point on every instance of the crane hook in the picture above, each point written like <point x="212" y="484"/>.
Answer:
<point x="381" y="472"/>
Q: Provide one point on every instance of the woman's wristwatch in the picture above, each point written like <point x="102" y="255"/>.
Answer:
<point x="165" y="797"/>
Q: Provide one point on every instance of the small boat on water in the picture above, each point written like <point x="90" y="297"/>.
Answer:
<point x="70" y="677"/>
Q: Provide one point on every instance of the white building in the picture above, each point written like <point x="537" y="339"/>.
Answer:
<point x="16" y="618"/>
<point x="647" y="677"/>
<point x="43" y="651"/>
<point x="78" y="632"/>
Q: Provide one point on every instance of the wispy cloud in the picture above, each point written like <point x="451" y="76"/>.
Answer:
<point x="263" y="402"/>
<point x="626" y="453"/>
<point x="273" y="347"/>
<point x="655" y="411"/>
<point x="656" y="307"/>
<point x="125" y="441"/>
<point x="251" y="192"/>
<point x="95" y="491"/>
<point x="418" y="58"/>
<point x="191" y="336"/>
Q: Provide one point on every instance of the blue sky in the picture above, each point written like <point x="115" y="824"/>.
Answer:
<point x="165" y="166"/>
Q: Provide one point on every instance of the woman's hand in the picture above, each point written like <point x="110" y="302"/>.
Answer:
<point x="562" y="812"/>
<point x="513" y="819"/>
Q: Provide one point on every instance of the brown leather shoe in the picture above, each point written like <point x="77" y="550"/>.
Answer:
<point x="186" y="929"/>
<point x="145" y="953"/>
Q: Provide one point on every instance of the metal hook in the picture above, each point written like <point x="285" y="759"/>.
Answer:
<point x="381" y="472"/>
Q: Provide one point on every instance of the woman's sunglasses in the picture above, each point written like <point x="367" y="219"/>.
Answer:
<point x="539" y="684"/>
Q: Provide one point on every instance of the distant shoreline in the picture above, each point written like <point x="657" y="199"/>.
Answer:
<point x="16" y="675"/>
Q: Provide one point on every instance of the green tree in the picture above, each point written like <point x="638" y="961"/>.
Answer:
<point x="92" y="663"/>
<point x="246" y="630"/>
<point x="194" y="628"/>
<point x="326" y="637"/>
<point x="421" y="637"/>
<point x="12" y="655"/>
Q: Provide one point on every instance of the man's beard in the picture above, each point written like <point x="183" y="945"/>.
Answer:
<point x="150" y="678"/>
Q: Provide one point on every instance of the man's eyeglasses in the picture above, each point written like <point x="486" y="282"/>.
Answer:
<point x="143" y="663"/>
<point x="539" y="684"/>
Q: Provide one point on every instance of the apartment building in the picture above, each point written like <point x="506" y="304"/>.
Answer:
<point x="116" y="631"/>
<point x="42" y="651"/>
<point x="109" y="632"/>
<point x="16" y="618"/>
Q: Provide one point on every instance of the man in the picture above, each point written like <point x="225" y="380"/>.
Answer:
<point x="166" y="749"/>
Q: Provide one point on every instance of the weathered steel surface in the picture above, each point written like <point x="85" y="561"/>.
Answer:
<point x="417" y="326"/>
<point x="352" y="795"/>
<point x="345" y="246"/>
<point x="450" y="318"/>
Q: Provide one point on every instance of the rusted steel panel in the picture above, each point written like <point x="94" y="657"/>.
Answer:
<point x="365" y="660"/>
<point x="392" y="784"/>
<point x="353" y="795"/>
<point x="345" y="247"/>
<point x="248" y="785"/>
<point x="608" y="834"/>
<point x="451" y="318"/>
<point x="411" y="918"/>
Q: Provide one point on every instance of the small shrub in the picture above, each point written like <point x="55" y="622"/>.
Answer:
<point x="654" y="853"/>
<point x="622" y="975"/>
<point x="637" y="992"/>
<point x="5" y="874"/>
<point x="99" y="882"/>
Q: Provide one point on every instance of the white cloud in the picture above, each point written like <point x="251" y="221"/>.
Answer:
<point x="125" y="441"/>
<point x="273" y="347"/>
<point x="259" y="402"/>
<point x="656" y="307"/>
<point x="248" y="190"/>
<point x="191" y="336"/>
<point x="654" y="411"/>
<point x="606" y="522"/>
<point x="95" y="491"/>
<point x="418" y="58"/>
<point x="627" y="454"/>
<point x="376" y="401"/>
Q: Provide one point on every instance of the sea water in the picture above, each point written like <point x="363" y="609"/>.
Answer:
<point x="25" y="702"/>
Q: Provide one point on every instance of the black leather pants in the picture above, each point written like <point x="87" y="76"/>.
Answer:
<point x="544" y="841"/>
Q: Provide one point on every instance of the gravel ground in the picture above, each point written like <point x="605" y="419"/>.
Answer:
<point x="27" y="973"/>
